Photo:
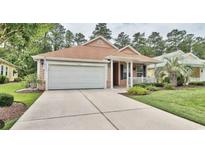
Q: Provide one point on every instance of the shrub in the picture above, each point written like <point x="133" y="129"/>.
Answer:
<point x="137" y="91"/>
<point x="152" y="88"/>
<point x="31" y="81"/>
<point x="17" y="79"/>
<point x="180" y="80"/>
<point x="6" y="80"/>
<point x="166" y="80"/>
<point x="144" y="85"/>
<point x="2" y="124"/>
<point x="199" y="83"/>
<point x="6" y="99"/>
<point x="168" y="87"/>
<point x="158" y="84"/>
<point x="2" y="79"/>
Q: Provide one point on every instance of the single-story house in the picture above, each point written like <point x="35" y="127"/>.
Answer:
<point x="189" y="59"/>
<point x="95" y="64"/>
<point x="8" y="69"/>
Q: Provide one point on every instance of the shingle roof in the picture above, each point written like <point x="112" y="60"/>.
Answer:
<point x="81" y="52"/>
<point x="87" y="52"/>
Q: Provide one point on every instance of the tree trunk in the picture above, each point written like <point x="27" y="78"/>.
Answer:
<point x="173" y="79"/>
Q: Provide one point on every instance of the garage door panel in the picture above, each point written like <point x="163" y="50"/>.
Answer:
<point x="75" y="77"/>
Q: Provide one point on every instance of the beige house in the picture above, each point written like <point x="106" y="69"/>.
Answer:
<point x="189" y="59"/>
<point x="95" y="64"/>
<point x="7" y="69"/>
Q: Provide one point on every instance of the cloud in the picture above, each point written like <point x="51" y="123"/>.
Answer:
<point x="131" y="28"/>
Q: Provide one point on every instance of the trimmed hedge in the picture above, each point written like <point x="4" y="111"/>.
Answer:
<point x="168" y="87"/>
<point x="138" y="91"/>
<point x="17" y="79"/>
<point x="2" y="79"/>
<point x="199" y="83"/>
<point x="152" y="88"/>
<point x="6" y="99"/>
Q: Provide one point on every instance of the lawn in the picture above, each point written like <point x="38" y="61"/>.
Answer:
<point x="26" y="98"/>
<point x="187" y="103"/>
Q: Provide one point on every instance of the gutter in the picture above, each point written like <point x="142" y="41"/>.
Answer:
<point x="35" y="58"/>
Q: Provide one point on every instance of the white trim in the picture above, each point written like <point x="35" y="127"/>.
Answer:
<point x="131" y="74"/>
<point x="119" y="73"/>
<point x="74" y="63"/>
<point x="111" y="73"/>
<point x="128" y="59"/>
<point x="106" y="68"/>
<point x="127" y="75"/>
<point x="130" y="47"/>
<point x="100" y="37"/>
<point x="46" y="74"/>
<point x="70" y="59"/>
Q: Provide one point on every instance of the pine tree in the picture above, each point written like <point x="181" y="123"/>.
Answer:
<point x="122" y="40"/>
<point x="101" y="30"/>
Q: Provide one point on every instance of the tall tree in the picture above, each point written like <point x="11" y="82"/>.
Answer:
<point x="139" y="42"/>
<point x="199" y="47"/>
<point x="69" y="39"/>
<point x="57" y="37"/>
<point x="122" y="40"/>
<point x="19" y="49"/>
<point x="102" y="30"/>
<point x="174" y="38"/>
<point x="79" y="38"/>
<point x="156" y="43"/>
<point x="187" y="43"/>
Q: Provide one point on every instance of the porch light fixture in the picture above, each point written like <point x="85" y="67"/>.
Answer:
<point x="42" y="61"/>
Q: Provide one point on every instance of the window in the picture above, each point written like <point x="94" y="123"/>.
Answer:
<point x="123" y="72"/>
<point x="14" y="72"/>
<point x="2" y="70"/>
<point x="140" y="69"/>
<point x="6" y="71"/>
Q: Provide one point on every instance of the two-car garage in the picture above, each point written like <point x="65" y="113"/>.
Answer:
<point x="76" y="76"/>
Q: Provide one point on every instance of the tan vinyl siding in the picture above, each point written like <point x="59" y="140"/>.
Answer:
<point x="196" y="72"/>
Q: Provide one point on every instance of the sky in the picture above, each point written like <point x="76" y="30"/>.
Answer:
<point x="131" y="28"/>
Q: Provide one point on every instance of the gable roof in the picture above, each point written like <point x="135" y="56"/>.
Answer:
<point x="79" y="52"/>
<point x="170" y="55"/>
<point x="6" y="62"/>
<point x="94" y="52"/>
<point x="129" y="48"/>
<point x="184" y="58"/>
<point x="100" y="38"/>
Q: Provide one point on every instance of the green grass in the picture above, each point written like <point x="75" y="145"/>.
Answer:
<point x="26" y="98"/>
<point x="187" y="103"/>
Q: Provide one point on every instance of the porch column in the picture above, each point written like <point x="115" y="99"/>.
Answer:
<point x="127" y="74"/>
<point x="111" y="73"/>
<point x="131" y="74"/>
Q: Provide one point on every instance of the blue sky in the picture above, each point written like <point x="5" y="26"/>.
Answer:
<point x="130" y="28"/>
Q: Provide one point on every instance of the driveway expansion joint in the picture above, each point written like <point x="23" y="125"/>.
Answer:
<point x="65" y="116"/>
<point x="100" y="111"/>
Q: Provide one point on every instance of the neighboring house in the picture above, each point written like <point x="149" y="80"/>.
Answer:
<point x="95" y="64"/>
<point x="7" y="69"/>
<point x="189" y="59"/>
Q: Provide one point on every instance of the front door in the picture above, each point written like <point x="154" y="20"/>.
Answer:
<point x="115" y="74"/>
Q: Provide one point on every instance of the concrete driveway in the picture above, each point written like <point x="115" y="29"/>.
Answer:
<point x="96" y="109"/>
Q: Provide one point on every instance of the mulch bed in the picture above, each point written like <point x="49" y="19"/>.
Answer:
<point x="13" y="111"/>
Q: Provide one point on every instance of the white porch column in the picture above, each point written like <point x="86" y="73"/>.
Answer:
<point x="131" y="74"/>
<point x="111" y="73"/>
<point x="127" y="74"/>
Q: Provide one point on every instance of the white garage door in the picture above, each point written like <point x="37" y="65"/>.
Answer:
<point x="75" y="77"/>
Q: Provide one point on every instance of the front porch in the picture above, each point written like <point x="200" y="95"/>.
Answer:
<point x="128" y="73"/>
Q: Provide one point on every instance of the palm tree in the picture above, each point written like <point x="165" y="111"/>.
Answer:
<point x="172" y="69"/>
